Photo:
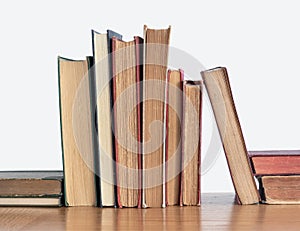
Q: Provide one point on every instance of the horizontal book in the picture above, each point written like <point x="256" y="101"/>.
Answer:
<point x="31" y="183"/>
<point x="31" y="201"/>
<point x="280" y="189"/>
<point x="281" y="162"/>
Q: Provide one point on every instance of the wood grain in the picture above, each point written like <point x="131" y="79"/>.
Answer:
<point x="217" y="212"/>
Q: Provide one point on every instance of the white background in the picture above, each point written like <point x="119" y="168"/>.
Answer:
<point x="258" y="41"/>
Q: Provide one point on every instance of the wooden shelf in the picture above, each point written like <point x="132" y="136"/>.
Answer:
<point x="217" y="212"/>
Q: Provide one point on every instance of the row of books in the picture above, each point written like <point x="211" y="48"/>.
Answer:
<point x="131" y="128"/>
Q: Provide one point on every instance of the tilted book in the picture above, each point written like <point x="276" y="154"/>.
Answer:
<point x="219" y="91"/>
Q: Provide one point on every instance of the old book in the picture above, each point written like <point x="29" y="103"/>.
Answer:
<point x="31" y="183"/>
<point x="31" y="201"/>
<point x="281" y="189"/>
<point x="77" y="143"/>
<point x="279" y="162"/>
<point x="154" y="76"/>
<point x="219" y="91"/>
<point x="173" y="135"/>
<point x="191" y="143"/>
<point x="126" y="61"/>
<point x="104" y="97"/>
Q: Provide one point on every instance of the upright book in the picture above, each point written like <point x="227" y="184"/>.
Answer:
<point x="191" y="143"/>
<point x="156" y="47"/>
<point x="279" y="162"/>
<point x="76" y="130"/>
<point x="127" y="73"/>
<point x="219" y="91"/>
<point x="104" y="98"/>
<point x="31" y="188"/>
<point x="173" y="135"/>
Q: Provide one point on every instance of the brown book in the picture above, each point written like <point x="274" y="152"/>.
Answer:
<point x="30" y="183"/>
<point x="281" y="189"/>
<point x="173" y="135"/>
<point x="126" y="88"/>
<point x="154" y="76"/>
<point x="279" y="162"/>
<point x="77" y="141"/>
<point x="219" y="91"/>
<point x="191" y="143"/>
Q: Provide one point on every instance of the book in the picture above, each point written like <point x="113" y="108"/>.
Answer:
<point x="31" y="183"/>
<point x="218" y="88"/>
<point x="104" y="97"/>
<point x="76" y="131"/>
<point x="126" y="61"/>
<point x="31" y="188"/>
<point x="154" y="76"/>
<point x="280" y="189"/>
<point x="279" y="162"/>
<point x="173" y="135"/>
<point x="31" y="201"/>
<point x="191" y="143"/>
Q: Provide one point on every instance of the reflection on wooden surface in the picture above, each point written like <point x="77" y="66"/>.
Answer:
<point x="218" y="212"/>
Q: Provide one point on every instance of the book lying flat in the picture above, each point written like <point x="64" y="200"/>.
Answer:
<point x="31" y="201"/>
<point x="27" y="183"/>
<point x="218" y="87"/>
<point x="104" y="102"/>
<point x="279" y="162"/>
<point x="280" y="189"/>
<point x="126" y="60"/>
<point x="76" y="131"/>
<point x="191" y="143"/>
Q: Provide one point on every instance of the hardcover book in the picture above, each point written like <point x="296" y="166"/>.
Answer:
<point x="173" y="135"/>
<point x="279" y="162"/>
<point x="219" y="91"/>
<point x="126" y="60"/>
<point x="154" y="76"/>
<point x="104" y="98"/>
<point x="76" y="130"/>
<point x="191" y="143"/>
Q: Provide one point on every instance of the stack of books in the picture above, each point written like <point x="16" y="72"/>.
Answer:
<point x="131" y="128"/>
<point x="278" y="173"/>
<point x="31" y="188"/>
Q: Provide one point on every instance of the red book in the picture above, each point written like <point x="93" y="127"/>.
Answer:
<point x="281" y="162"/>
<point x="126" y="62"/>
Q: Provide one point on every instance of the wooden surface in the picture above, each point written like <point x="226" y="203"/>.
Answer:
<point x="217" y="212"/>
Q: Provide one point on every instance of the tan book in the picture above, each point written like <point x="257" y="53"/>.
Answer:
<point x="219" y="91"/>
<point x="104" y="97"/>
<point x="75" y="115"/>
<point x="173" y="135"/>
<point x="30" y="183"/>
<point x="126" y="87"/>
<point x="31" y="201"/>
<point x="281" y="189"/>
<point x="154" y="76"/>
<point x="191" y="143"/>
